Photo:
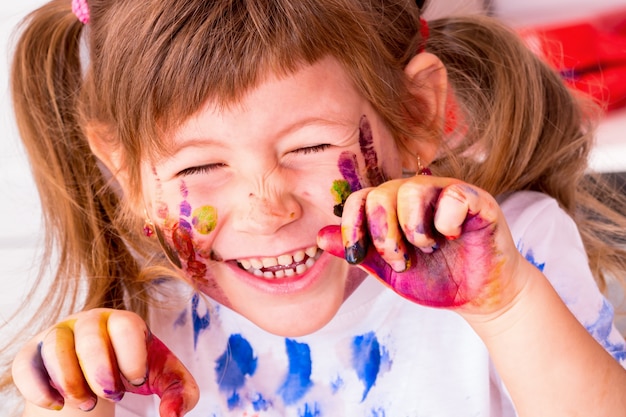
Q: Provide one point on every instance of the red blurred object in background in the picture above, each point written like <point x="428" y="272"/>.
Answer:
<point x="590" y="54"/>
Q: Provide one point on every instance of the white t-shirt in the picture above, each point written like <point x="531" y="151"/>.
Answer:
<point x="381" y="355"/>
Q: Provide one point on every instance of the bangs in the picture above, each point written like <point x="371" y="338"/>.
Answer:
<point x="164" y="68"/>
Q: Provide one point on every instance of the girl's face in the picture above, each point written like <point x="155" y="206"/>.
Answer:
<point x="239" y="202"/>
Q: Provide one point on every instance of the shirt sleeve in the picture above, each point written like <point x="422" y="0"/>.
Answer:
<point x="549" y="239"/>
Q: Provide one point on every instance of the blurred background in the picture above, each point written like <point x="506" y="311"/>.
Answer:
<point x="20" y="231"/>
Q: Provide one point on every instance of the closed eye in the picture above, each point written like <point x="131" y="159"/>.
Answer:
<point x="313" y="149"/>
<point x="201" y="169"/>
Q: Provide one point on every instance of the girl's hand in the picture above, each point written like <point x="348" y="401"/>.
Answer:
<point x="102" y="353"/>
<point x="436" y="241"/>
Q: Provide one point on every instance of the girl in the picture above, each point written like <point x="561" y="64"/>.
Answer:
<point x="269" y="151"/>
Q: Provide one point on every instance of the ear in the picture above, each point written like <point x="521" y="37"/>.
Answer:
<point x="428" y="80"/>
<point x="108" y="153"/>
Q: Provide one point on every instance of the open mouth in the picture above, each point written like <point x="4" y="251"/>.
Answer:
<point x="283" y="266"/>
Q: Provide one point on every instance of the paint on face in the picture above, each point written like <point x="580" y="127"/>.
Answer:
<point x="375" y="175"/>
<point x="340" y="191"/>
<point x="204" y="219"/>
<point x="182" y="239"/>
<point x="349" y="168"/>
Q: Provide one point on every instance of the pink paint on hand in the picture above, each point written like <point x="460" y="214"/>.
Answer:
<point x="167" y="378"/>
<point x="457" y="273"/>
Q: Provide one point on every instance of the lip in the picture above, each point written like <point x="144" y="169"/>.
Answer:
<point x="283" y="286"/>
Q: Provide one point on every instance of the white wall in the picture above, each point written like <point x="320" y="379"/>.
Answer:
<point x="19" y="203"/>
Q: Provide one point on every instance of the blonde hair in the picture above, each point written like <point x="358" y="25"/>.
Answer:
<point x="154" y="63"/>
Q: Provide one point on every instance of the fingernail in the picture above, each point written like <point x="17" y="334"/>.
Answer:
<point x="355" y="253"/>
<point x="338" y="210"/>
<point x="400" y="265"/>
<point x="88" y="405"/>
<point x="138" y="382"/>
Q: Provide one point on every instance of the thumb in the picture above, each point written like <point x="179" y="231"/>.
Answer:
<point x="329" y="239"/>
<point x="169" y="379"/>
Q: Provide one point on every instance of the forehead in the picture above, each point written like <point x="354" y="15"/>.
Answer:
<point x="322" y="91"/>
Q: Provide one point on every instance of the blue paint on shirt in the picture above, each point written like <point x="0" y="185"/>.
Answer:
<point x="379" y="412"/>
<point x="310" y="411"/>
<point x="233" y="366"/>
<point x="530" y="256"/>
<point x="298" y="379"/>
<point x="366" y="359"/>
<point x="601" y="331"/>
<point x="260" y="403"/>
<point x="200" y="323"/>
<point x="336" y="384"/>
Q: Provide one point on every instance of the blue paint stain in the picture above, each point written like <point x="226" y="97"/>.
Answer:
<point x="298" y="379"/>
<point x="181" y="320"/>
<point x="260" y="403"/>
<point x="233" y="366"/>
<point x="200" y="323"/>
<point x="366" y="360"/>
<point x="310" y="411"/>
<point x="336" y="385"/>
<point x="530" y="256"/>
<point x="601" y="331"/>
<point x="379" y="412"/>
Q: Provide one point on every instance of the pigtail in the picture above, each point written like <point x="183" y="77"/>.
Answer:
<point x="93" y="265"/>
<point x="523" y="129"/>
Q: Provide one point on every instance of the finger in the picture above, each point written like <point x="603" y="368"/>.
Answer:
<point x="382" y="223"/>
<point x="416" y="209"/>
<point x="128" y="334"/>
<point x="169" y="379"/>
<point x="329" y="240"/>
<point x="354" y="227"/>
<point x="31" y="378"/>
<point x="58" y="352"/>
<point x="96" y="356"/>
<point x="462" y="208"/>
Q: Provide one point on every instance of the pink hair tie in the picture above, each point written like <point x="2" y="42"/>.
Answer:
<point x="81" y="10"/>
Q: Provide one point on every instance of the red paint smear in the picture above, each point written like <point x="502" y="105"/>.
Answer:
<point x="169" y="379"/>
<point x="182" y="240"/>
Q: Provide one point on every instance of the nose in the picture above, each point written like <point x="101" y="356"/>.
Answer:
<point x="266" y="214"/>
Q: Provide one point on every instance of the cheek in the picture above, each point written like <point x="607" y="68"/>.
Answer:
<point x="185" y="230"/>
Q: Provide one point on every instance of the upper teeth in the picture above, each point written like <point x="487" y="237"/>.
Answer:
<point x="286" y="265"/>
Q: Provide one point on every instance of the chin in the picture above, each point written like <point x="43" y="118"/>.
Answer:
<point x="298" y="317"/>
<point x="298" y="324"/>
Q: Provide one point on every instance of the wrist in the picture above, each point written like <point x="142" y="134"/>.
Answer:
<point x="527" y="287"/>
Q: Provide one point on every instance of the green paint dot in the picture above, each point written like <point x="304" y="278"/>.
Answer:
<point x="204" y="219"/>
<point x="340" y="191"/>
